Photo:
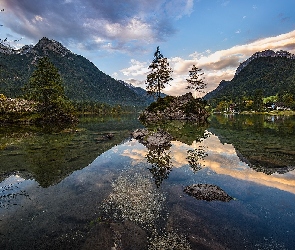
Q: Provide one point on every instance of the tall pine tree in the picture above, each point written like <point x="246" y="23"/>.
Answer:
<point x="46" y="87"/>
<point x="159" y="76"/>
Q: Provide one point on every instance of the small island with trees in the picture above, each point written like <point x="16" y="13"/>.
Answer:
<point x="185" y="107"/>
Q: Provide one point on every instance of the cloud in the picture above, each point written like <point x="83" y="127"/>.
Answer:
<point x="111" y="24"/>
<point x="222" y="64"/>
<point x="136" y="68"/>
<point x="217" y="66"/>
<point x="225" y="3"/>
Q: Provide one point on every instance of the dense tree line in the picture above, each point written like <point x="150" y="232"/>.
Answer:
<point x="264" y="83"/>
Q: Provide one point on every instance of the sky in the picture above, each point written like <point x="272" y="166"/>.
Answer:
<point x="121" y="36"/>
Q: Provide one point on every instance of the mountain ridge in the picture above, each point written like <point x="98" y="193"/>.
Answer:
<point x="83" y="80"/>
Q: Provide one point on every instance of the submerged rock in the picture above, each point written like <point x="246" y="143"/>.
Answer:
<point x="207" y="192"/>
<point x="160" y="138"/>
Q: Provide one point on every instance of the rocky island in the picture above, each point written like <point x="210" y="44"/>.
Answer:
<point x="184" y="107"/>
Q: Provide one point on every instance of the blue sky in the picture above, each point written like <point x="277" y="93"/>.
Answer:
<point x="120" y="36"/>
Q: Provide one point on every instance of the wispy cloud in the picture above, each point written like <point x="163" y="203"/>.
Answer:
<point x="102" y="23"/>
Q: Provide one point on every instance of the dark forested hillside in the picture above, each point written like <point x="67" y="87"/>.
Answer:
<point x="82" y="79"/>
<point x="271" y="75"/>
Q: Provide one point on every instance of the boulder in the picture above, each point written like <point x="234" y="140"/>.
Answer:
<point x="152" y="139"/>
<point x="207" y="192"/>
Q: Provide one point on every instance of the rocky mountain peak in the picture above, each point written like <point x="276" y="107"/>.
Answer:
<point x="46" y="44"/>
<point x="265" y="53"/>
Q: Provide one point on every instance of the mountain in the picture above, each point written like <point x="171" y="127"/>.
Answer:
<point x="140" y="91"/>
<point x="269" y="71"/>
<point x="83" y="80"/>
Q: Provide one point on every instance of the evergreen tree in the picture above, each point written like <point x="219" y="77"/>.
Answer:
<point x="195" y="80"/>
<point x="160" y="74"/>
<point x="258" y="100"/>
<point x="46" y="87"/>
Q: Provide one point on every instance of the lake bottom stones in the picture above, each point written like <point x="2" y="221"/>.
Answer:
<point x="207" y="192"/>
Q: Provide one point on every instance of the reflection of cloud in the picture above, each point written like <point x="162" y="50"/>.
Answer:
<point x="222" y="159"/>
<point x="136" y="151"/>
<point x="228" y="163"/>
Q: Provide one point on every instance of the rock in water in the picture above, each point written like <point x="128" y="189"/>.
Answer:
<point x="207" y="192"/>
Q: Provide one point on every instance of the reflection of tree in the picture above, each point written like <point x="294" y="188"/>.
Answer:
<point x="183" y="131"/>
<point x="161" y="164"/>
<point x="158" y="142"/>
<point x="194" y="156"/>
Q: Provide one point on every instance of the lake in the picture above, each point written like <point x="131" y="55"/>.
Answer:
<point x="95" y="187"/>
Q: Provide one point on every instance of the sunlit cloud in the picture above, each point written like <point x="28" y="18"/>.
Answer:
<point x="221" y="65"/>
<point x="136" y="68"/>
<point x="217" y="66"/>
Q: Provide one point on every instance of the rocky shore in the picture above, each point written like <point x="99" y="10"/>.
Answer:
<point x="16" y="105"/>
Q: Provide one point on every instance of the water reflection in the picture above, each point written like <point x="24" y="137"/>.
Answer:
<point x="160" y="159"/>
<point x="223" y="159"/>
<point x="158" y="141"/>
<point x="12" y="191"/>
<point x="214" y="154"/>
<point x="123" y="201"/>
<point x="266" y="143"/>
<point x="50" y="157"/>
<point x="195" y="156"/>
<point x="134" y="198"/>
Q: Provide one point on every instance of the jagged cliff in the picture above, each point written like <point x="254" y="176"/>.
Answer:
<point x="265" y="53"/>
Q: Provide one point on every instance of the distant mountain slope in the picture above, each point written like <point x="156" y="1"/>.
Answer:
<point x="273" y="72"/>
<point x="83" y="80"/>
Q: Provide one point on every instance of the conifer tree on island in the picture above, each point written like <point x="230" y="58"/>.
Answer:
<point x="159" y="76"/>
<point x="195" y="80"/>
<point x="46" y="87"/>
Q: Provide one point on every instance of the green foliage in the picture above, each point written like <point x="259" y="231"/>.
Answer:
<point x="273" y="75"/>
<point x="270" y="99"/>
<point x="45" y="87"/>
<point x="82" y="79"/>
<point x="2" y="98"/>
<point x="96" y="108"/>
<point x="161" y="104"/>
<point x="258" y="100"/>
<point x="45" y="84"/>
<point x="194" y="106"/>
<point x="160" y="75"/>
